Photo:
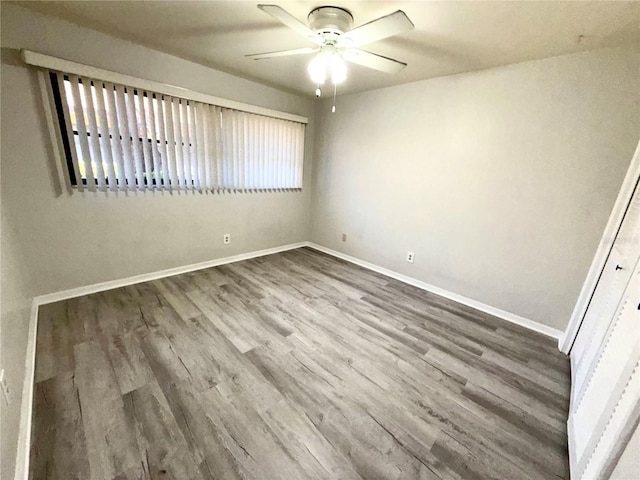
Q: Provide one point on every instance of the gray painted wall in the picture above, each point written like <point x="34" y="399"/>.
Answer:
<point x="52" y="243"/>
<point x="500" y="181"/>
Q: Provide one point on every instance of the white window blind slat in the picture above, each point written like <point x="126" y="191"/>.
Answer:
<point x="126" y="141"/>
<point x="289" y="147"/>
<point x="186" y="143"/>
<point x="82" y="137"/>
<point x="276" y="156"/>
<point x="273" y="152"/>
<point x="234" y="150"/>
<point x="153" y="143"/>
<point x="69" y="128"/>
<point x="286" y="147"/>
<point x="255" y="153"/>
<point x="178" y="128"/>
<point x="174" y="138"/>
<point x="285" y="151"/>
<point x="114" y="134"/>
<point x="300" y="154"/>
<point x="105" y="141"/>
<point x="193" y="144"/>
<point x="193" y="135"/>
<point x="271" y="167"/>
<point x="240" y="150"/>
<point x="94" y="140"/>
<point x="180" y="141"/>
<point x="120" y="138"/>
<point x="247" y="149"/>
<point x="224" y="161"/>
<point x="243" y="153"/>
<point x="230" y="149"/>
<point x="199" y="134"/>
<point x="136" y="142"/>
<point x="262" y="152"/>
<point x="218" y="138"/>
<point x="159" y="110"/>
<point x="197" y="157"/>
<point x="293" y="153"/>
<point x="138" y="103"/>
<point x="280" y="155"/>
<point x="207" y="146"/>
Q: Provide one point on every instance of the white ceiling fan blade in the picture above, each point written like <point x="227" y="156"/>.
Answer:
<point x="383" y="27"/>
<point x="290" y="21"/>
<point x="372" y="60"/>
<point x="283" y="53"/>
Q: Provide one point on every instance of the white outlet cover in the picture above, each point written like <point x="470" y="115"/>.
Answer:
<point x="410" y="257"/>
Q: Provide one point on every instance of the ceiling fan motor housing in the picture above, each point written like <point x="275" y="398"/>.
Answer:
<point x="333" y="20"/>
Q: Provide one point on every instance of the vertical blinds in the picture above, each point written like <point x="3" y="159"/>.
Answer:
<point x="121" y="138"/>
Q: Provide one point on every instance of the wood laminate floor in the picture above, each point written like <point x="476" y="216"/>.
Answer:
<point x="292" y="366"/>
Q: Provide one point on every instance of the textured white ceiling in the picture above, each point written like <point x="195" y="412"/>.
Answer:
<point x="449" y="38"/>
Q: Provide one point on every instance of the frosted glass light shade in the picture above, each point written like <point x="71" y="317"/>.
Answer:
<point x="318" y="69"/>
<point x="338" y="70"/>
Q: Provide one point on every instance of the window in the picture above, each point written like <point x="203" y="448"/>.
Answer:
<point x="122" y="138"/>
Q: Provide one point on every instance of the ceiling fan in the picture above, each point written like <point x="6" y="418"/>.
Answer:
<point x="330" y="28"/>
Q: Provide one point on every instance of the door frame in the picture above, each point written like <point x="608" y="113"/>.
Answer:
<point x="565" y="343"/>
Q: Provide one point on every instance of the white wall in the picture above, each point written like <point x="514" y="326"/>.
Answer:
<point x="500" y="181"/>
<point x="52" y="243"/>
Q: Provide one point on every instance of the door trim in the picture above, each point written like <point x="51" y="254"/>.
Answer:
<point x="602" y="253"/>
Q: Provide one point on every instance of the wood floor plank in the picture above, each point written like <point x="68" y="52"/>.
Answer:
<point x="201" y="434"/>
<point x="306" y="444"/>
<point x="293" y="365"/>
<point x="55" y="342"/>
<point x="111" y="446"/>
<point x="58" y="441"/>
<point x="165" y="450"/>
<point x="129" y="362"/>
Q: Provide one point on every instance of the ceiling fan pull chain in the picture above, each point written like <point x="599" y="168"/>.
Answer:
<point x="333" y="108"/>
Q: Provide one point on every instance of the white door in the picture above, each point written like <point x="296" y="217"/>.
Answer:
<point x="605" y="358"/>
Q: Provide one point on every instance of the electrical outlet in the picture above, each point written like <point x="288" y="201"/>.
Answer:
<point x="226" y="239"/>
<point x="344" y="237"/>
<point x="410" y="256"/>
<point x="4" y="386"/>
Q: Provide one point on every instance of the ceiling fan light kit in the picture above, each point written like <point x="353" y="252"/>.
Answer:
<point x="330" y="28"/>
<point x="328" y="59"/>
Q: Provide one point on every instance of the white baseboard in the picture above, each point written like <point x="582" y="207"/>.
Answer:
<point x="510" y="317"/>
<point x="146" y="277"/>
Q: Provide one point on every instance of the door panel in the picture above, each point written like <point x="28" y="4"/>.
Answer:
<point x="597" y="319"/>
<point x="605" y="358"/>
